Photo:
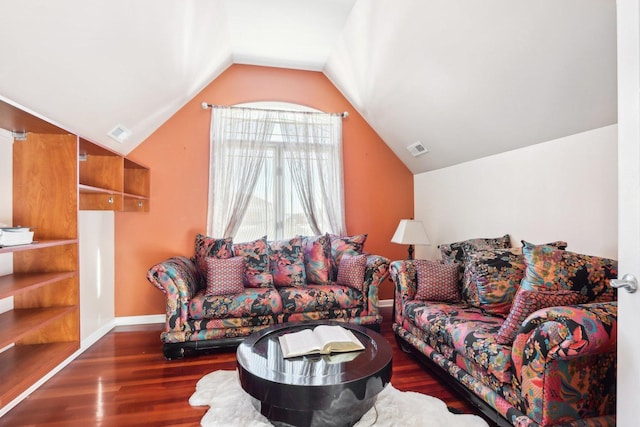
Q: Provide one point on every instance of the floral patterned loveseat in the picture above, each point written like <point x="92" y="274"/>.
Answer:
<point x="228" y="290"/>
<point x="527" y="334"/>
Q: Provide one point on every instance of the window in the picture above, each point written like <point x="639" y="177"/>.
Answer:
<point x="275" y="172"/>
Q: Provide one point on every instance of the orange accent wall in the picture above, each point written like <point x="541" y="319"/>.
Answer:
<point x="378" y="186"/>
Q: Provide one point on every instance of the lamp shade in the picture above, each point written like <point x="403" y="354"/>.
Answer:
<point x="410" y="232"/>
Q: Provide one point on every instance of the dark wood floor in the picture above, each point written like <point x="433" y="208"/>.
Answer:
<point x="123" y="380"/>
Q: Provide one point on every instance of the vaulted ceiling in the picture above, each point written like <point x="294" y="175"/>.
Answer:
<point x="467" y="78"/>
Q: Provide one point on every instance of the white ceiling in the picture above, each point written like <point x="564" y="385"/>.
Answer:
<point x="467" y="78"/>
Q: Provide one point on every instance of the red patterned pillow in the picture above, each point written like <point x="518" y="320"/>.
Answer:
<point x="437" y="281"/>
<point x="206" y="246"/>
<point x="527" y="302"/>
<point x="351" y="271"/>
<point x="225" y="276"/>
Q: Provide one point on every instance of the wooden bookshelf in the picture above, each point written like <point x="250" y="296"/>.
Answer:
<point x="44" y="325"/>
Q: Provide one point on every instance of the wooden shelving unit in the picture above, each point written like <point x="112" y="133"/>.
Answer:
<point x="36" y="245"/>
<point x="55" y="174"/>
<point x="15" y="284"/>
<point x="44" y="284"/>
<point x="109" y="181"/>
<point x="136" y="187"/>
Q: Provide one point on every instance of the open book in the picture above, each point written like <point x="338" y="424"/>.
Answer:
<point x="322" y="339"/>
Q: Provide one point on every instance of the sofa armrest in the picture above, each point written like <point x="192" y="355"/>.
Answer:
<point x="565" y="361"/>
<point x="179" y="279"/>
<point x="377" y="270"/>
<point x="403" y="274"/>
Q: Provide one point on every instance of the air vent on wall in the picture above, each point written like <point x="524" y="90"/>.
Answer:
<point x="416" y="149"/>
<point x="119" y="133"/>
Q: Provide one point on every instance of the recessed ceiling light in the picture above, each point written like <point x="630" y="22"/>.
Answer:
<point x="119" y="133"/>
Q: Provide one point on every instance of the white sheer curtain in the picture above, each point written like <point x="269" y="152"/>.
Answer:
<point x="238" y="140"/>
<point x="252" y="147"/>
<point x="313" y="154"/>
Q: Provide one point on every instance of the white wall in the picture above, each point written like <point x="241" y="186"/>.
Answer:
<point x="565" y="189"/>
<point x="97" y="274"/>
<point x="6" y="204"/>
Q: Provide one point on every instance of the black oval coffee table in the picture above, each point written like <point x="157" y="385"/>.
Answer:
<point x="317" y="390"/>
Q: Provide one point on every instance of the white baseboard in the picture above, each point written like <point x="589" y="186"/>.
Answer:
<point x="140" y="320"/>
<point x="96" y="335"/>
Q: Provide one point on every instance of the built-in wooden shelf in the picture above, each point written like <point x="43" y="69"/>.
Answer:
<point x="88" y="189"/>
<point x="37" y="245"/>
<point x="21" y="366"/>
<point x="102" y="199"/>
<point x="55" y="174"/>
<point x="110" y="181"/>
<point x="19" y="323"/>
<point x="15" y="284"/>
<point x="136" y="187"/>
<point x="43" y="328"/>
<point x="94" y="198"/>
<point x="134" y="196"/>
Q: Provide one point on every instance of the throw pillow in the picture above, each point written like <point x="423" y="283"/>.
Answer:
<point x="437" y="281"/>
<point x="206" y="246"/>
<point x="491" y="279"/>
<point x="559" y="244"/>
<point x="551" y="269"/>
<point x="527" y="302"/>
<point x="287" y="262"/>
<point x="453" y="252"/>
<point x="257" y="273"/>
<point x="317" y="258"/>
<point x="345" y="245"/>
<point x="351" y="271"/>
<point x="470" y="286"/>
<point x="224" y="276"/>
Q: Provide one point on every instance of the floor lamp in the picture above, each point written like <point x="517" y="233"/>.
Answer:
<point x="410" y="232"/>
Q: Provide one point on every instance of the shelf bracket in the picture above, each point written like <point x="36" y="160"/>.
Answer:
<point x="19" y="136"/>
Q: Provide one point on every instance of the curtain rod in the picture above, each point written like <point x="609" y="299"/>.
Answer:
<point x="206" y="106"/>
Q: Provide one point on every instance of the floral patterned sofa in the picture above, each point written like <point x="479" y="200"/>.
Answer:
<point x="527" y="334"/>
<point x="227" y="291"/>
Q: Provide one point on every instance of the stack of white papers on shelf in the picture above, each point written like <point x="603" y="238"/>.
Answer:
<point x="12" y="236"/>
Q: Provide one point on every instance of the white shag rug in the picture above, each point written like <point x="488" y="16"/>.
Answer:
<point x="231" y="406"/>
